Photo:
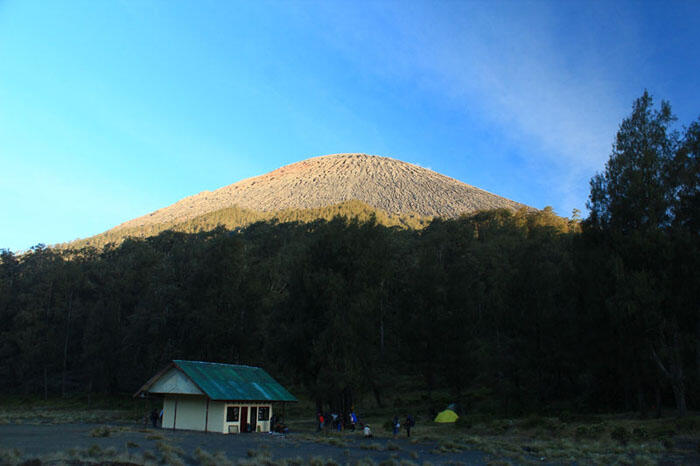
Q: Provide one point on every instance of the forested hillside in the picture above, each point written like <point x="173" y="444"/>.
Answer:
<point x="510" y="311"/>
<point x="237" y="217"/>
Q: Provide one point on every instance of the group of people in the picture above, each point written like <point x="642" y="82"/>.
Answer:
<point x="336" y="422"/>
<point x="326" y="422"/>
<point x="408" y="424"/>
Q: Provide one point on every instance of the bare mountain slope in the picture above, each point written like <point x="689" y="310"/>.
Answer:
<point x="391" y="185"/>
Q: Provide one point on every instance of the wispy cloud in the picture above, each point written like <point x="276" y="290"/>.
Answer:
<point x="551" y="77"/>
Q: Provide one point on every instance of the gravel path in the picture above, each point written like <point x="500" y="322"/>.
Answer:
<point x="37" y="440"/>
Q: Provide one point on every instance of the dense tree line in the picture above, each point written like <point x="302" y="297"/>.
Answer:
<point x="510" y="312"/>
<point x="236" y="217"/>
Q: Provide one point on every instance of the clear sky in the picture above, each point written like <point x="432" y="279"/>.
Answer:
<point x="112" y="109"/>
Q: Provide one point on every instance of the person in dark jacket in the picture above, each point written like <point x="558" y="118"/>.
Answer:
<point x="154" y="417"/>
<point x="410" y="422"/>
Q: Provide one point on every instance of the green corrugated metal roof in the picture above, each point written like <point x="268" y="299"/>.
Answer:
<point x="234" y="382"/>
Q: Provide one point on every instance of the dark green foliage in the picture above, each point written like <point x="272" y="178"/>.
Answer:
<point x="640" y="433"/>
<point x="468" y="421"/>
<point x="620" y="434"/>
<point x="588" y="431"/>
<point x="237" y="217"/>
<point x="642" y="242"/>
<point x="506" y="313"/>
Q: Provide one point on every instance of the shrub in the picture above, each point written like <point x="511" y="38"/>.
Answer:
<point x="32" y="462"/>
<point x="470" y="420"/>
<point x="449" y="447"/>
<point x="10" y="456"/>
<point x="662" y="431"/>
<point x="204" y="458"/>
<point x="101" y="431"/>
<point x="588" y="431"/>
<point x="499" y="427"/>
<point x="620" y="434"/>
<point x="372" y="446"/>
<point x="392" y="446"/>
<point x="94" y="451"/>
<point x="569" y="417"/>
<point x="536" y="421"/>
<point x="566" y="416"/>
<point x="640" y="433"/>
<point x="336" y="442"/>
<point x="366" y="462"/>
<point x="165" y="447"/>
<point x="688" y="424"/>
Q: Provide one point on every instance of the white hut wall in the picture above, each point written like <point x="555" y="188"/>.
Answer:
<point x="184" y="412"/>
<point x="217" y="416"/>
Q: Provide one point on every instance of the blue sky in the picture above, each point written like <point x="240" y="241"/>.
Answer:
<point x="110" y="110"/>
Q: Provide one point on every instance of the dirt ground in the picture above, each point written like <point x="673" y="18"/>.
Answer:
<point x="41" y="440"/>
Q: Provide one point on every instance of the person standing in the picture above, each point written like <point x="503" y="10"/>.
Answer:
<point x="396" y="424"/>
<point x="154" y="417"/>
<point x="410" y="422"/>
<point x="353" y="420"/>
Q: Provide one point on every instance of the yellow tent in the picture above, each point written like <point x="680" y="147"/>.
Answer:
<point x="446" y="416"/>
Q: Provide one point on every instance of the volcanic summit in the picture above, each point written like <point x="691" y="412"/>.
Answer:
<point x="381" y="182"/>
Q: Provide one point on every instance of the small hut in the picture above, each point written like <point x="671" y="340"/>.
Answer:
<point x="213" y="397"/>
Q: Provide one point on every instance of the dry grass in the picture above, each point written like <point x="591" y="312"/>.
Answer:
<point x="106" y="431"/>
<point x="170" y="454"/>
<point x="392" y="446"/>
<point x="61" y="416"/>
<point x="205" y="458"/>
<point x="603" y="440"/>
<point x="372" y="446"/>
<point x="10" y="456"/>
<point x="92" y="455"/>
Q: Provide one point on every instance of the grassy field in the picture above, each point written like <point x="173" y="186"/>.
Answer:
<point x="99" y="409"/>
<point x="564" y="439"/>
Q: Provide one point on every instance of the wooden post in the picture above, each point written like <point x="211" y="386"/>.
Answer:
<point x="206" y="418"/>
<point x="175" y="414"/>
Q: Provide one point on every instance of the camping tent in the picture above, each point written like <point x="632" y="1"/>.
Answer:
<point x="446" y="416"/>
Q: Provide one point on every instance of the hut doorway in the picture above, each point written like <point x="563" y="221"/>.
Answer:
<point x="253" y="418"/>
<point x="244" y="419"/>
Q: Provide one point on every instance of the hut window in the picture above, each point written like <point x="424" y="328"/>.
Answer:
<point x="232" y="414"/>
<point x="264" y="413"/>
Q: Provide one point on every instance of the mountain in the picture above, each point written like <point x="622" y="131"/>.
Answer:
<point x="399" y="193"/>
